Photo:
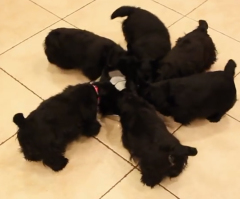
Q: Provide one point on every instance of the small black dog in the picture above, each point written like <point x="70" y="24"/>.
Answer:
<point x="71" y="48"/>
<point x="147" y="139"/>
<point x="146" y="36"/>
<point x="207" y="95"/>
<point x="61" y="119"/>
<point x="193" y="53"/>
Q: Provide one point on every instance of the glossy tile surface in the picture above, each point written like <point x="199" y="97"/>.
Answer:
<point x="215" y="167"/>
<point x="20" y="20"/>
<point x="91" y="171"/>
<point x="100" y="168"/>
<point x="223" y="15"/>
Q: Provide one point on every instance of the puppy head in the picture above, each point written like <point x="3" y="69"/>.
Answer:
<point x="136" y="69"/>
<point x="108" y="98"/>
<point x="26" y="138"/>
<point x="114" y="55"/>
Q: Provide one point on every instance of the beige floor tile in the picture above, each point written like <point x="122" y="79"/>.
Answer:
<point x="91" y="171"/>
<point x="64" y="7"/>
<point x="14" y="98"/>
<point x="227" y="48"/>
<point x="180" y="6"/>
<point x="111" y="135"/>
<point x="214" y="172"/>
<point x="100" y="23"/>
<point x="222" y="16"/>
<point x="235" y="111"/>
<point x="20" y="20"/>
<point x="28" y="63"/>
<point x="132" y="188"/>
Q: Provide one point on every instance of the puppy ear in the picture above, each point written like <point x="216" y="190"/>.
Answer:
<point x="182" y="150"/>
<point x="19" y="120"/>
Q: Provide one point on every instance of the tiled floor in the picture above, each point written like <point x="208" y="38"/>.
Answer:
<point x="100" y="168"/>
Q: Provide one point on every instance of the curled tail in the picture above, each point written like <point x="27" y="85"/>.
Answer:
<point x="230" y="68"/>
<point x="19" y="120"/>
<point x="203" y="25"/>
<point x="123" y="11"/>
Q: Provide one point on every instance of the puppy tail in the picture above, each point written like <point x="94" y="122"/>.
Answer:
<point x="123" y="11"/>
<point x="230" y="68"/>
<point x="19" y="120"/>
<point x="203" y="25"/>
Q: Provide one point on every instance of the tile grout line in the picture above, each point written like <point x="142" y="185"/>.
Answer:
<point x="167" y="7"/>
<point x="59" y="19"/>
<point x="215" y="30"/>
<point x="3" y="142"/>
<point x="29" y="37"/>
<point x="70" y="23"/>
<point x="196" y="7"/>
<point x="113" y="151"/>
<point x="21" y="84"/>
<point x="168" y="191"/>
<point x="177" y="129"/>
<point x="44" y="8"/>
<point x="78" y="9"/>
<point x="117" y="183"/>
<point x="162" y="186"/>
<point x="232" y="117"/>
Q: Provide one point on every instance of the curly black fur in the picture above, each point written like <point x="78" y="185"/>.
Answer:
<point x="207" y="95"/>
<point x="71" y="48"/>
<point x="45" y="133"/>
<point x="193" y="53"/>
<point x="146" y="36"/>
<point x="147" y="139"/>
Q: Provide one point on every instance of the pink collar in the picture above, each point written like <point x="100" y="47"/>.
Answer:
<point x="97" y="91"/>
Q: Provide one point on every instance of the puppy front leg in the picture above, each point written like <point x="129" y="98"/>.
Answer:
<point x="90" y="125"/>
<point x="55" y="161"/>
<point x="105" y="75"/>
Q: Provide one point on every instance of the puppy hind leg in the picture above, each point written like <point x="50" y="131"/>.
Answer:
<point x="215" y="117"/>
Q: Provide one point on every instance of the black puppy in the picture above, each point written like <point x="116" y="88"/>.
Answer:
<point x="193" y="53"/>
<point x="147" y="139"/>
<point x="146" y="36"/>
<point x="207" y="95"/>
<point x="71" y="48"/>
<point x="61" y="119"/>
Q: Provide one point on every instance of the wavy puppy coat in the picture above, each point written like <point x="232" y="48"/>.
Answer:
<point x="61" y="119"/>
<point x="147" y="139"/>
<point x="207" y="95"/>
<point x="193" y="53"/>
<point x="146" y="36"/>
<point x="71" y="48"/>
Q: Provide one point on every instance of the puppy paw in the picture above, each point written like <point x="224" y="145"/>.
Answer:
<point x="214" y="118"/>
<point x="92" y="129"/>
<point x="150" y="181"/>
<point x="56" y="163"/>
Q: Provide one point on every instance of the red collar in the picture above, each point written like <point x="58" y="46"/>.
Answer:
<point x="97" y="91"/>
